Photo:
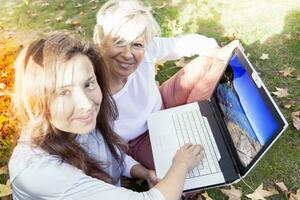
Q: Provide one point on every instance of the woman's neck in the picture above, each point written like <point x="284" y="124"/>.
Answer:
<point x="116" y="84"/>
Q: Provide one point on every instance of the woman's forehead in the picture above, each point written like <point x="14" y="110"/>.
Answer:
<point x="76" y="70"/>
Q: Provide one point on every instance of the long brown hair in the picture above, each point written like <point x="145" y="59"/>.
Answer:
<point x="36" y="70"/>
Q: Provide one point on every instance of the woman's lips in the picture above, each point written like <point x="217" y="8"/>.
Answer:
<point x="125" y="64"/>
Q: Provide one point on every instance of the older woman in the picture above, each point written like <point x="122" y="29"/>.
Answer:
<point x="126" y="32"/>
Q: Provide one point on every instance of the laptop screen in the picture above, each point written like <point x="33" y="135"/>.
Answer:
<point x="250" y="118"/>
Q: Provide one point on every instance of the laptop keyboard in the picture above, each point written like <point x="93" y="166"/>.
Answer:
<point x="191" y="127"/>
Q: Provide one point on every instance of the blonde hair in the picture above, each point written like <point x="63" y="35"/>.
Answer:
<point x="125" y="20"/>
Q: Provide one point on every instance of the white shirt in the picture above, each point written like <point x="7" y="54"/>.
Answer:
<point x="140" y="96"/>
<point x="36" y="175"/>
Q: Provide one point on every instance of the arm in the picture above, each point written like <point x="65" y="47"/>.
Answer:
<point x="185" y="159"/>
<point x="185" y="45"/>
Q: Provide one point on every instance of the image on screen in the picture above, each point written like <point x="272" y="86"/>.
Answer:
<point x="247" y="117"/>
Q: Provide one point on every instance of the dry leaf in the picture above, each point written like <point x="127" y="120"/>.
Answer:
<point x="2" y="86"/>
<point x="59" y="18"/>
<point x="61" y="5"/>
<point x="5" y="190"/>
<point x="172" y="24"/>
<point x="45" y="4"/>
<point x="264" y="56"/>
<point x="281" y="92"/>
<point x="164" y="4"/>
<point x="260" y="193"/>
<point x="288" y="104"/>
<point x="72" y="21"/>
<point x="296" y="120"/>
<point x="281" y="186"/>
<point x="79" y="5"/>
<point x="81" y="13"/>
<point x="79" y="29"/>
<point x="248" y="55"/>
<point x="232" y="193"/>
<point x="206" y="196"/>
<point x="47" y="21"/>
<point x="298" y="78"/>
<point x="94" y="8"/>
<point x="295" y="196"/>
<point x="287" y="71"/>
<point x="4" y="170"/>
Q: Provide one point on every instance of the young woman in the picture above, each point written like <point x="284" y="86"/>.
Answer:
<point x="67" y="148"/>
<point x="126" y="31"/>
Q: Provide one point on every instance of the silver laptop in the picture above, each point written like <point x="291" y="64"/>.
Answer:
<point x="236" y="127"/>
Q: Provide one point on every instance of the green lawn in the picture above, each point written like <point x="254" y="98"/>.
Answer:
<point x="262" y="26"/>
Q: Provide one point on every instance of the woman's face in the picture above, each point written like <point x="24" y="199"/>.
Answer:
<point x="122" y="59"/>
<point x="77" y="98"/>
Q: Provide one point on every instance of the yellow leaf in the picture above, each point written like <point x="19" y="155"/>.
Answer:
<point x="260" y="193"/>
<point x="206" y="196"/>
<point x="5" y="190"/>
<point x="4" y="170"/>
<point x="232" y="193"/>
<point x="295" y="196"/>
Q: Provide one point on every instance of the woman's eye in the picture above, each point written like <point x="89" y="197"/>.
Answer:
<point x="91" y="85"/>
<point x="64" y="92"/>
<point x="138" y="45"/>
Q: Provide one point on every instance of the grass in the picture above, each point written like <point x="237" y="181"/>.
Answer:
<point x="262" y="27"/>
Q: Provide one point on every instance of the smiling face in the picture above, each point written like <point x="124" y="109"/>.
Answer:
<point x="77" y="97"/>
<point x="123" y="58"/>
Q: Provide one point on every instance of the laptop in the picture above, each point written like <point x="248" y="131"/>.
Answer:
<point x="236" y="127"/>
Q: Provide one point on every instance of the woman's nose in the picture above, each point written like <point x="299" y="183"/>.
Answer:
<point x="83" y="101"/>
<point x="126" y="52"/>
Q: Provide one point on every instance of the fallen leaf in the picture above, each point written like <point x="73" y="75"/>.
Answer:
<point x="296" y="119"/>
<point x="4" y="170"/>
<point x="94" y="7"/>
<point x="232" y="193"/>
<point x="5" y="190"/>
<point x="288" y="104"/>
<point x="260" y="193"/>
<point x="287" y="71"/>
<point x="2" y="86"/>
<point x="295" y="196"/>
<point x="45" y="4"/>
<point x="47" y="21"/>
<point x="181" y="62"/>
<point x="298" y="78"/>
<point x="248" y="55"/>
<point x="206" y="196"/>
<point x="281" y="92"/>
<point x="79" y="29"/>
<point x="81" y="13"/>
<point x="59" y="18"/>
<point x="264" y="56"/>
<point x="79" y="5"/>
<point x="61" y="5"/>
<point x="281" y="186"/>
<point x="72" y="21"/>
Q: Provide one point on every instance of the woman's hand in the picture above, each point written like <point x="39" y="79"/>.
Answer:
<point x="151" y="178"/>
<point x="225" y="52"/>
<point x="188" y="155"/>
